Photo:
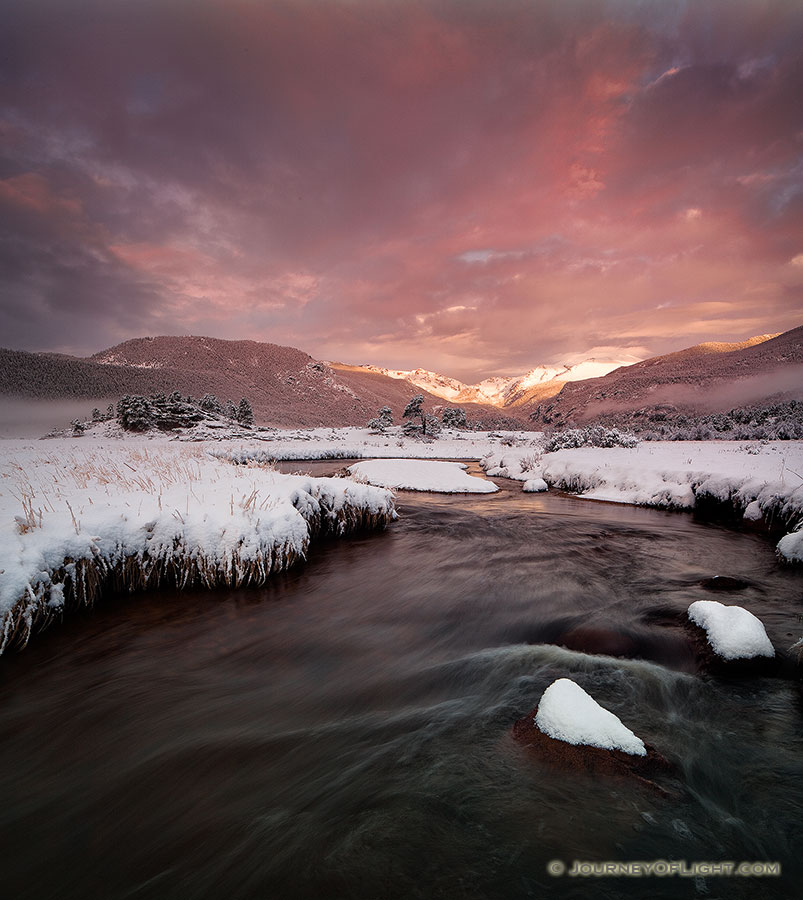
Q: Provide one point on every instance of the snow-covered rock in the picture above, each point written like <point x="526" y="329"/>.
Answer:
<point x="420" y="475"/>
<point x="534" y="486"/>
<point x="733" y="632"/>
<point x="752" y="512"/>
<point x="790" y="547"/>
<point x="567" y="713"/>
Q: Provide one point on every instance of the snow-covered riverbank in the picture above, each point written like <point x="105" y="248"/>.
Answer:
<point x="760" y="482"/>
<point x="80" y="516"/>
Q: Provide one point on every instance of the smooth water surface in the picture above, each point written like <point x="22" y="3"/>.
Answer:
<point x="344" y="732"/>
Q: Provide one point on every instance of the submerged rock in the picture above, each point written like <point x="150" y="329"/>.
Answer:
<point x="724" y="583"/>
<point x="668" y="646"/>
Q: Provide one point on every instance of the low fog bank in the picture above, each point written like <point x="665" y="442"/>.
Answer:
<point x="27" y="418"/>
<point x="785" y="384"/>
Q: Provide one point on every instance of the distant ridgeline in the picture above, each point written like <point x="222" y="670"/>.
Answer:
<point x="168" y="413"/>
<point x="46" y="376"/>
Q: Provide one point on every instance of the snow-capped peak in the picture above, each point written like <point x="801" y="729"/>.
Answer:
<point x="498" y="390"/>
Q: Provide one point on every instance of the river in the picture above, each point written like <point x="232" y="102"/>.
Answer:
<point x="345" y="731"/>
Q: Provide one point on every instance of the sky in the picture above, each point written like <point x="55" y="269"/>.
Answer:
<point x="470" y="186"/>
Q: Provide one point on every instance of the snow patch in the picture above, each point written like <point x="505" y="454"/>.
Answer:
<point x="534" y="486"/>
<point x="752" y="512"/>
<point x="420" y="475"/>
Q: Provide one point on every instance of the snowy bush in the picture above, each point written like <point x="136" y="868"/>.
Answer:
<point x="781" y="421"/>
<point x="530" y="462"/>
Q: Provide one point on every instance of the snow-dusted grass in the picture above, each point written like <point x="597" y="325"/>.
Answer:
<point x="763" y="482"/>
<point x="733" y="632"/>
<point x="421" y="475"/>
<point x="80" y="516"/>
<point x="361" y="443"/>
<point x="567" y="713"/>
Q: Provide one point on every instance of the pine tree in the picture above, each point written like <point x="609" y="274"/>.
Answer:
<point x="245" y="415"/>
<point x="383" y="420"/>
<point x="414" y="410"/>
<point x="209" y="403"/>
<point x="432" y="425"/>
<point x="454" y="417"/>
<point x="135" y="413"/>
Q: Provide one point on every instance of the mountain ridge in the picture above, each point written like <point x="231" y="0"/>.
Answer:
<point x="501" y="391"/>
<point x="288" y="387"/>
<point x="714" y="376"/>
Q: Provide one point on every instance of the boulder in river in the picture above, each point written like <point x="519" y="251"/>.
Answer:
<point x="732" y="641"/>
<point x="569" y="729"/>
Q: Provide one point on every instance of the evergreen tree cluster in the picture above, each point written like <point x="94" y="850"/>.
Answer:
<point x="591" y="436"/>
<point x="167" y="413"/>
<point x="420" y="422"/>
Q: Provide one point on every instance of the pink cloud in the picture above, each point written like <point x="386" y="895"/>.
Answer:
<point x="31" y="191"/>
<point x="455" y="185"/>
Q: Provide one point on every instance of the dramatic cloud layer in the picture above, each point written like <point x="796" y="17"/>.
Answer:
<point x="475" y="187"/>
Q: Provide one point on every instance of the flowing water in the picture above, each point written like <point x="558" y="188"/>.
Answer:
<point x="345" y="731"/>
